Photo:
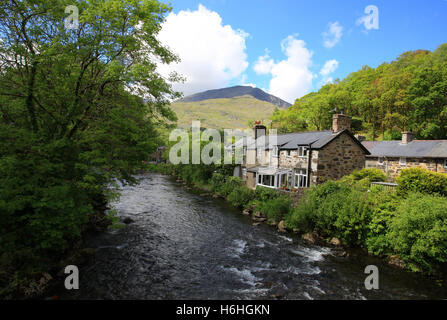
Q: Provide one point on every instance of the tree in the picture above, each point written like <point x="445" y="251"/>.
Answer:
<point x="79" y="108"/>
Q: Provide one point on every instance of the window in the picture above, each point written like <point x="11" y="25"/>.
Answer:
<point x="445" y="163"/>
<point x="244" y="172"/>
<point x="288" y="153"/>
<point x="301" y="178"/>
<point x="266" y="180"/>
<point x="403" y="161"/>
<point x="275" y="151"/>
<point x="302" y="152"/>
<point x="380" y="161"/>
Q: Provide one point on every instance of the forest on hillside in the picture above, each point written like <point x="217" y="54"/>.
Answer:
<point x="409" y="93"/>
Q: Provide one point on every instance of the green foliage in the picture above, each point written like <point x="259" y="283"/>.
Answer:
<point x="264" y="193"/>
<point x="406" y="94"/>
<point x="383" y="209"/>
<point x="275" y="209"/>
<point x="419" y="231"/>
<point x="241" y="196"/>
<point x="420" y="180"/>
<point x="69" y="125"/>
<point x="373" y="174"/>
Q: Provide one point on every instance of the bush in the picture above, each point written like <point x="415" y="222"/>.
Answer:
<point x="241" y="196"/>
<point x="229" y="184"/>
<point x="217" y="180"/>
<point x="264" y="194"/>
<point x="418" y="233"/>
<point x="333" y="209"/>
<point x="383" y="210"/>
<point x="363" y="178"/>
<point x="304" y="215"/>
<point x="373" y="174"/>
<point x="420" y="180"/>
<point x="275" y="209"/>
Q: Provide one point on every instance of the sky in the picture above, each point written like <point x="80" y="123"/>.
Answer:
<point x="289" y="48"/>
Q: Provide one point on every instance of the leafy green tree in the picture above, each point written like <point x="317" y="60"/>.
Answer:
<point x="79" y="108"/>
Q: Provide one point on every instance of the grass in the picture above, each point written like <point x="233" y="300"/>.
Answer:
<point x="231" y="113"/>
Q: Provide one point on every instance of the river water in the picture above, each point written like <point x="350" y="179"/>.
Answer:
<point x="184" y="246"/>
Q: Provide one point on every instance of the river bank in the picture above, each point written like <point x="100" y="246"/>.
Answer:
<point x="181" y="245"/>
<point x="266" y="210"/>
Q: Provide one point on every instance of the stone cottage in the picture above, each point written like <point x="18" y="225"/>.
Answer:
<point x="300" y="160"/>
<point x="393" y="156"/>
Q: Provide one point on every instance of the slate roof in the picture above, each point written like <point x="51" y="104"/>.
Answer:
<point x="414" y="149"/>
<point x="291" y="141"/>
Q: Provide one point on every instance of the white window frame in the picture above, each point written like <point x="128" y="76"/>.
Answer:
<point x="273" y="179"/>
<point x="288" y="153"/>
<point x="402" y="161"/>
<point x="302" y="152"/>
<point x="300" y="178"/>
<point x="380" y="160"/>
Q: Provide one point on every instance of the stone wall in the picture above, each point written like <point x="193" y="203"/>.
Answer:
<point x="251" y="180"/>
<point x="392" y="168"/>
<point x="339" y="158"/>
<point x="292" y="161"/>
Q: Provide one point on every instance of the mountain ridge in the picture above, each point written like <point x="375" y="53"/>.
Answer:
<point x="236" y="91"/>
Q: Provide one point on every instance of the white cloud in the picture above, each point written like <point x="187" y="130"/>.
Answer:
<point x="211" y="53"/>
<point x="264" y="64"/>
<point x="333" y="35"/>
<point x="291" y="78"/>
<point x="329" y="67"/>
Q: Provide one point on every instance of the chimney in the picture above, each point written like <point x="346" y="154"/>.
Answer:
<point x="407" y="137"/>
<point x="340" y="122"/>
<point x="259" y="130"/>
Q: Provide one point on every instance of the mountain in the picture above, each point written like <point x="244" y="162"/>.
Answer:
<point x="237" y="91"/>
<point x="227" y="107"/>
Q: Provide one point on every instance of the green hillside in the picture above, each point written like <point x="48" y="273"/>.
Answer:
<point x="409" y="93"/>
<point x="223" y="113"/>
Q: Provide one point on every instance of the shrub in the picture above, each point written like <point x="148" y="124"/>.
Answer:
<point x="304" y="215"/>
<point x="362" y="178"/>
<point x="333" y="209"/>
<point x="275" y="209"/>
<point x="383" y="210"/>
<point x="264" y="194"/>
<point x="418" y="233"/>
<point x="230" y="183"/>
<point x="373" y="174"/>
<point x="217" y="180"/>
<point x="241" y="196"/>
<point x="420" y="180"/>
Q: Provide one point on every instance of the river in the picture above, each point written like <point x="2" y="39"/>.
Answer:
<point x="184" y="246"/>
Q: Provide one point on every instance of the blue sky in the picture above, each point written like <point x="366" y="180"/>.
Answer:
<point x="252" y="32"/>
